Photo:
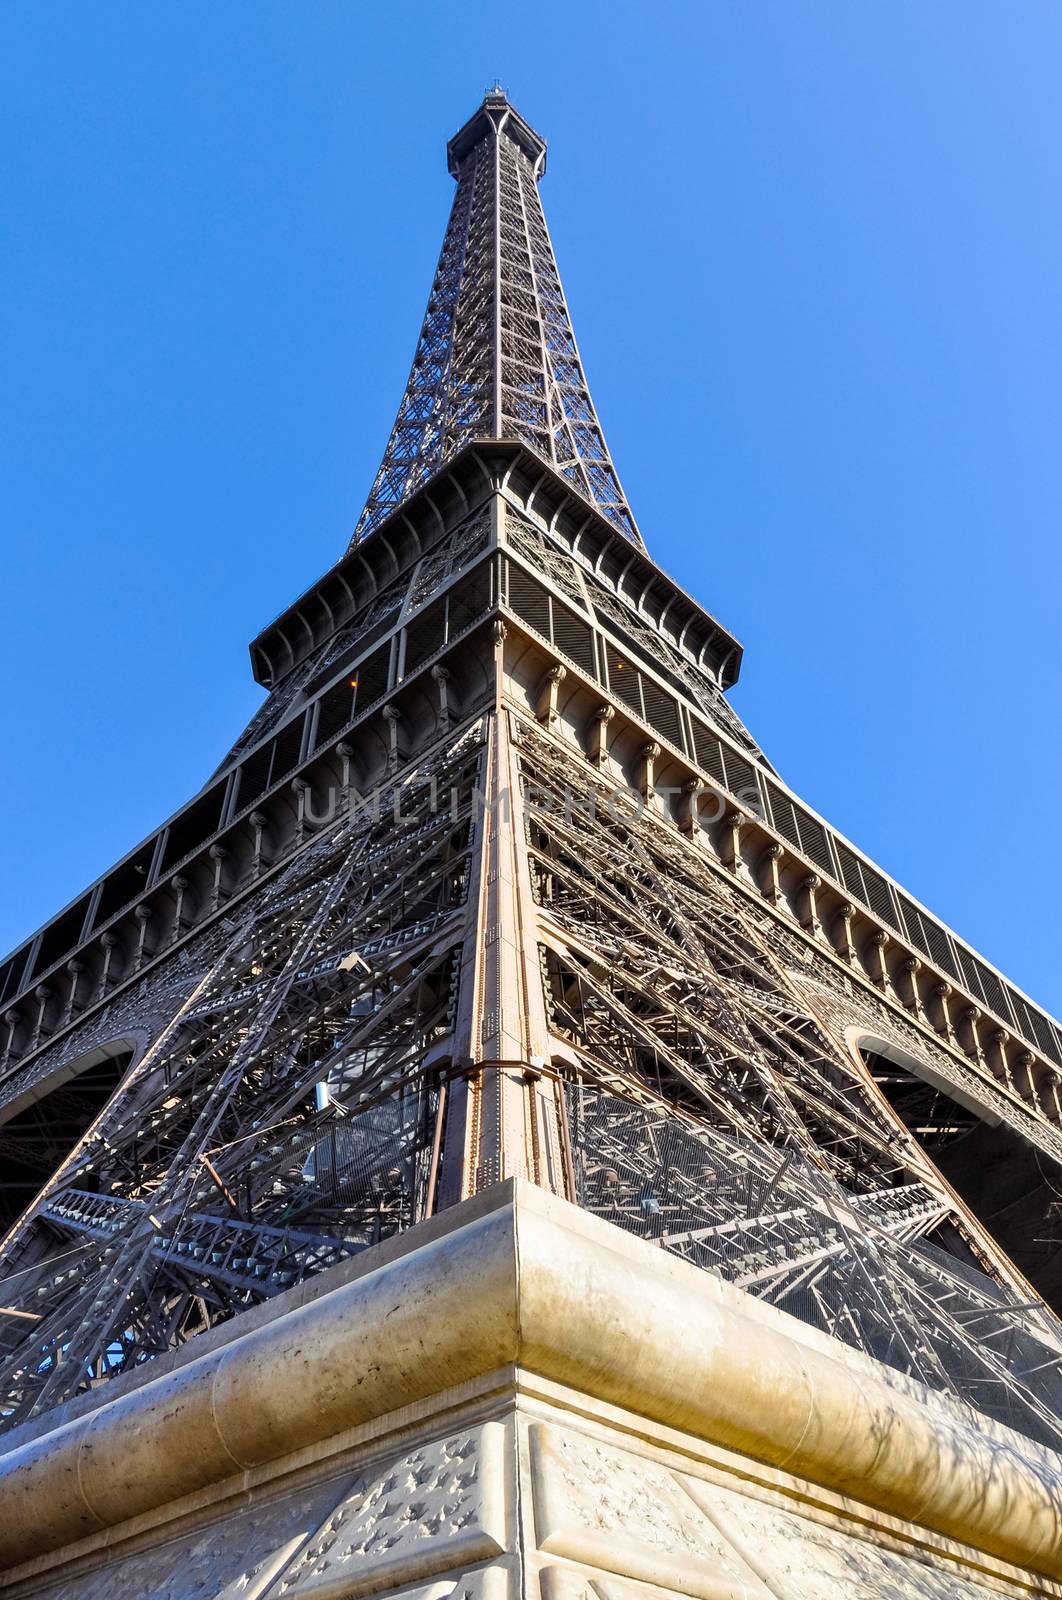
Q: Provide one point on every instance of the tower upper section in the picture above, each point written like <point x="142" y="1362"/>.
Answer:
<point x="496" y="357"/>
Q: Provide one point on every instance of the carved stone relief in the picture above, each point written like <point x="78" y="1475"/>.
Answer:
<point x="441" y="1506"/>
<point x="802" y="1560"/>
<point x="568" y="1583"/>
<point x="629" y="1516"/>
<point x="235" y="1558"/>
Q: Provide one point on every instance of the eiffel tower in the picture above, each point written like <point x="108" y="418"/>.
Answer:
<point x="497" y="924"/>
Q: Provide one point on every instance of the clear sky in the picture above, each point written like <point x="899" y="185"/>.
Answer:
<point x="814" y="257"/>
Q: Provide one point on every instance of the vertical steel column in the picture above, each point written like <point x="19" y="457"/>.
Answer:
<point x="503" y="1118"/>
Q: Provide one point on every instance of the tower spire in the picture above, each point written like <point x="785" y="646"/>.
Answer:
<point x="497" y="357"/>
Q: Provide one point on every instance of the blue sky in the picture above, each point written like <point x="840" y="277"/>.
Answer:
<point x="814" y="257"/>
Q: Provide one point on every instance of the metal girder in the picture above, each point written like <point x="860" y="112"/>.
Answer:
<point x="714" y="1112"/>
<point x="497" y="357"/>
<point x="333" y="976"/>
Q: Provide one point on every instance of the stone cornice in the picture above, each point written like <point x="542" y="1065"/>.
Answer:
<point x="534" y="1283"/>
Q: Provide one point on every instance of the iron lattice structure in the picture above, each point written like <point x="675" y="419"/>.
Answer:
<point x="497" y="357"/>
<point x="496" y="883"/>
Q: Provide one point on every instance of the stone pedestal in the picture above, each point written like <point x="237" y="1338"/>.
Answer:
<point x="515" y="1399"/>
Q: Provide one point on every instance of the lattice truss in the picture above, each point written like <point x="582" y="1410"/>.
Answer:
<point x="588" y="590"/>
<point x="714" y="1112"/>
<point x="497" y="357"/>
<point x="282" y="1119"/>
<point x="412" y="590"/>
